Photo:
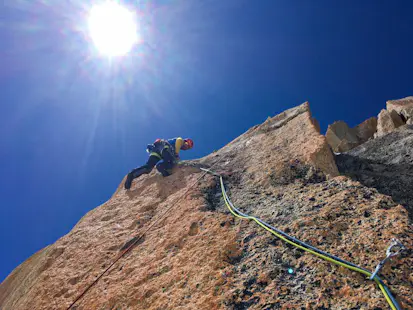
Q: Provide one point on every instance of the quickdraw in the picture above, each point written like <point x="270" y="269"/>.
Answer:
<point x="315" y="251"/>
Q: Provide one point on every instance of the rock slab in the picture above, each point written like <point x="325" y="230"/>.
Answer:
<point x="200" y="257"/>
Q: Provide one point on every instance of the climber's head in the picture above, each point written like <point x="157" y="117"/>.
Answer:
<point x="188" y="144"/>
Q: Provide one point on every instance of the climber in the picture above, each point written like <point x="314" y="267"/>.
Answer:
<point x="165" y="150"/>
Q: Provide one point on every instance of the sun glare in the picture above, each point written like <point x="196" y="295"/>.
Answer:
<point x="113" y="29"/>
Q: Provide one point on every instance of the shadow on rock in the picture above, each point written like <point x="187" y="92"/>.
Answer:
<point x="394" y="180"/>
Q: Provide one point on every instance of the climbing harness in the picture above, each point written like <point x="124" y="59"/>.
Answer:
<point x="315" y="251"/>
<point x="395" y="244"/>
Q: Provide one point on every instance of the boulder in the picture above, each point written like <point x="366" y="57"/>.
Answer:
<point x="342" y="138"/>
<point x="404" y="107"/>
<point x="397" y="119"/>
<point x="387" y="122"/>
<point x="366" y="129"/>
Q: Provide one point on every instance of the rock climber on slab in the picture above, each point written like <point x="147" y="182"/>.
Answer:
<point x="165" y="150"/>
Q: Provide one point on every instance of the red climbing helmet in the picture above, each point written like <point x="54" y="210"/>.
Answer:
<point x="188" y="144"/>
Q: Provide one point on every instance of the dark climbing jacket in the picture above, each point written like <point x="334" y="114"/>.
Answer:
<point x="172" y="145"/>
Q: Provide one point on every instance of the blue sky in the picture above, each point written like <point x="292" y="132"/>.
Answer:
<point x="73" y="124"/>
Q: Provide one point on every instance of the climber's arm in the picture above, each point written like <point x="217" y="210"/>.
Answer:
<point x="178" y="144"/>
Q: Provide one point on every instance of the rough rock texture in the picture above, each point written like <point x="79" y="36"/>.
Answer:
<point x="385" y="163"/>
<point x="342" y="138"/>
<point x="398" y="113"/>
<point x="404" y="107"/>
<point x="397" y="119"/>
<point x="387" y="122"/>
<point x="200" y="257"/>
<point x="366" y="129"/>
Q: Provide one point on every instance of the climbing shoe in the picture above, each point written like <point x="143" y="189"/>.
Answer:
<point x="128" y="182"/>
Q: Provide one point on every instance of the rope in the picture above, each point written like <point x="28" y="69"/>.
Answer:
<point x="278" y="233"/>
<point x="306" y="247"/>
<point x="137" y="239"/>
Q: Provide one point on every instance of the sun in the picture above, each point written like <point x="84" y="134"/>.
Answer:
<point x="113" y="29"/>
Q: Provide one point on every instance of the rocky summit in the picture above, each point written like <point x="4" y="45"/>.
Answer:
<point x="194" y="254"/>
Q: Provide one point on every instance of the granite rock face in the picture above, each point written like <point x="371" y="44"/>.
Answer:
<point x="404" y="107"/>
<point x="366" y="129"/>
<point x="342" y="138"/>
<point x="200" y="257"/>
<point x="385" y="163"/>
<point x="388" y="122"/>
<point x="397" y="113"/>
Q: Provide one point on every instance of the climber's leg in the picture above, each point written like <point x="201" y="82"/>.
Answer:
<point x="165" y="167"/>
<point x="145" y="169"/>
<point x="167" y="155"/>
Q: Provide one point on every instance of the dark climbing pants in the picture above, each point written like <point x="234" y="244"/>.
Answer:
<point x="164" y="167"/>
